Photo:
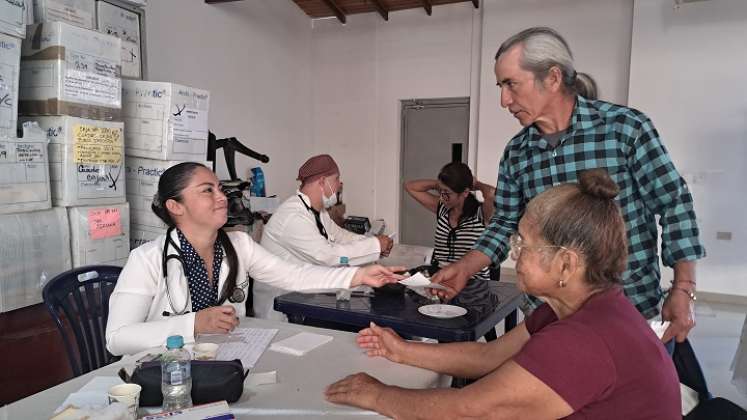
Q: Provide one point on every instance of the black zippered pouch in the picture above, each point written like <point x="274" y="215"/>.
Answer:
<point x="212" y="380"/>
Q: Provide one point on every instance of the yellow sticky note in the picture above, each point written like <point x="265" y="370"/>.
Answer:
<point x="97" y="145"/>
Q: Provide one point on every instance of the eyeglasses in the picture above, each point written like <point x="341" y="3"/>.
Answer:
<point x="446" y="195"/>
<point x="517" y="244"/>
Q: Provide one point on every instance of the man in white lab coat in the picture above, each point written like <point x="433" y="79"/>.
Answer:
<point x="301" y="230"/>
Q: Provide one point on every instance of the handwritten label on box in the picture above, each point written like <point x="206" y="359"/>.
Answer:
<point x="97" y="145"/>
<point x="104" y="223"/>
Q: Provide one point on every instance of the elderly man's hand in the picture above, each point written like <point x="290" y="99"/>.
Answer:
<point x="453" y="277"/>
<point x="678" y="308"/>
<point x="359" y="390"/>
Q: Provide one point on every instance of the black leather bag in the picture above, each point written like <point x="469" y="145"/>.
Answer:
<point x="212" y="380"/>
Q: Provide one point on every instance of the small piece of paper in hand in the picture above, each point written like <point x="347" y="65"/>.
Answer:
<point x="419" y="280"/>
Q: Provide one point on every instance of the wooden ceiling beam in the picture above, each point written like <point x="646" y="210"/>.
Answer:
<point x="336" y="10"/>
<point x="476" y="3"/>
<point x="428" y="7"/>
<point x="381" y="9"/>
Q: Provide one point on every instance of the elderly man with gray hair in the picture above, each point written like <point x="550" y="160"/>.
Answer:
<point x="564" y="133"/>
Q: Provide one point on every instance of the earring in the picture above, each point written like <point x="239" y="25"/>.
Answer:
<point x="561" y="283"/>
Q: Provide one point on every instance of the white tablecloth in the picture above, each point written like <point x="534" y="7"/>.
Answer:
<point x="298" y="392"/>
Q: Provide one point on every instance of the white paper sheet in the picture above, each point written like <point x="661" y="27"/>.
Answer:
<point x="251" y="343"/>
<point x="301" y="343"/>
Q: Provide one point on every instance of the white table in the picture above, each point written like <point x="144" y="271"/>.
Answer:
<point x="301" y="380"/>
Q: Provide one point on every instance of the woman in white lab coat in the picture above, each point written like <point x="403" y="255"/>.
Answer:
<point x="193" y="280"/>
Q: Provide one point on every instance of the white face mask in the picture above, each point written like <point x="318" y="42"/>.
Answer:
<point x="328" y="202"/>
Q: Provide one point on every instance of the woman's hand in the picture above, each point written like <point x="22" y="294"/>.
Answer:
<point x="359" y="390"/>
<point x="376" y="275"/>
<point x="384" y="342"/>
<point x="218" y="319"/>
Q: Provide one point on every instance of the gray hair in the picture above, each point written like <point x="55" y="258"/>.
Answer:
<point x="586" y="86"/>
<point x="542" y="49"/>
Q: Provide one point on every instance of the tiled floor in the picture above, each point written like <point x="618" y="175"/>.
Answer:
<point x="715" y="339"/>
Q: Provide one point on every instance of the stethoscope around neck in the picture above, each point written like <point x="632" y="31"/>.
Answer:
<point x="237" y="295"/>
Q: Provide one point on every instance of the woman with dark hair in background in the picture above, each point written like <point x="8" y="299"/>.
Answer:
<point x="178" y="284"/>
<point x="460" y="217"/>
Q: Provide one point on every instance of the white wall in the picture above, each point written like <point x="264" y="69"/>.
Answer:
<point x="687" y="73"/>
<point x="254" y="58"/>
<point x="360" y="73"/>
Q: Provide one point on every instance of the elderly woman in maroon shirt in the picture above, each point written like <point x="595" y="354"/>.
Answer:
<point x="586" y="354"/>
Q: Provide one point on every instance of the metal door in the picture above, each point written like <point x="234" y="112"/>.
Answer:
<point x="434" y="133"/>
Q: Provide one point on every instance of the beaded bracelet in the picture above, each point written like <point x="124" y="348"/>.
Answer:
<point x="684" y="281"/>
<point x="689" y="293"/>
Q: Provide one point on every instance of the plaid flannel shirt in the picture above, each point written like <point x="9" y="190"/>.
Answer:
<point x="624" y="142"/>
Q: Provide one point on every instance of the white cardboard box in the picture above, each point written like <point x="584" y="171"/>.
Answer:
<point x="75" y="12"/>
<point x="141" y="213"/>
<point x="86" y="160"/>
<point x="140" y="234"/>
<point x="142" y="174"/>
<point x="10" y="68"/>
<point x="125" y="25"/>
<point x="138" y="3"/>
<point x="66" y="70"/>
<point x="100" y="234"/>
<point x="13" y="18"/>
<point x="165" y="121"/>
<point x="29" y="15"/>
<point x="24" y="173"/>
<point x="34" y="247"/>
<point x="265" y="204"/>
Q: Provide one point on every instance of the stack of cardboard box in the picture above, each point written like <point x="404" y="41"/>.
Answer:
<point x="72" y="88"/>
<point x="34" y="238"/>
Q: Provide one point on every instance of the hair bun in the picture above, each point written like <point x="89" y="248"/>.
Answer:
<point x="597" y="183"/>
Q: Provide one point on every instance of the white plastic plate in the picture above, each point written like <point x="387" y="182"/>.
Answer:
<point x="442" y="311"/>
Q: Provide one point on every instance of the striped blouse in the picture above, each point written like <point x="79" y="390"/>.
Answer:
<point x="452" y="243"/>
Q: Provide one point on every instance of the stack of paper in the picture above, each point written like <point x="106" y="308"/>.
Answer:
<point x="301" y="343"/>
<point x="250" y="346"/>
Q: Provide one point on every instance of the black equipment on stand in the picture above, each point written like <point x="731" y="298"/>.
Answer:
<point x="238" y="212"/>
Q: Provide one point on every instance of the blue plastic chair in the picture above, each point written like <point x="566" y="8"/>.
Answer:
<point x="78" y="301"/>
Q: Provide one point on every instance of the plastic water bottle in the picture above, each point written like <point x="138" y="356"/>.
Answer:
<point x="258" y="182"/>
<point x="343" y="295"/>
<point x="176" y="375"/>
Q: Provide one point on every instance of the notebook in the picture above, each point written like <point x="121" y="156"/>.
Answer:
<point x="300" y="344"/>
